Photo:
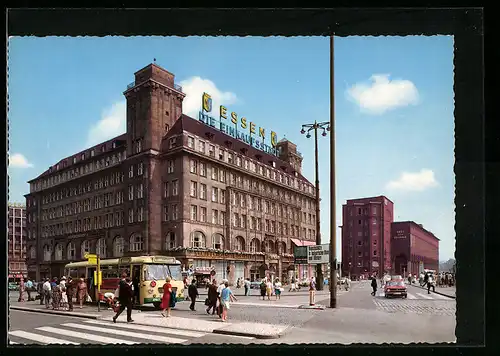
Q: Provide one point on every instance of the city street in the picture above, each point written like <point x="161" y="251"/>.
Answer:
<point x="359" y="317"/>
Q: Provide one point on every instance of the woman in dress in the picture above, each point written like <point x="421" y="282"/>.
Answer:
<point x="56" y="296"/>
<point x="227" y="296"/>
<point x="81" y="291"/>
<point x="165" y="300"/>
<point x="269" y="289"/>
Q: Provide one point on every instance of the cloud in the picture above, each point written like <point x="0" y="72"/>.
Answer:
<point x="194" y="88"/>
<point x="383" y="94"/>
<point x="113" y="123"/>
<point x="17" y="160"/>
<point x="414" y="181"/>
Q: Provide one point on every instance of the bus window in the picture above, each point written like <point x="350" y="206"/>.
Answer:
<point x="175" y="272"/>
<point x="110" y="272"/>
<point x="155" y="272"/>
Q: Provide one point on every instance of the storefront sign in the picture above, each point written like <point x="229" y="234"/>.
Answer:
<point x="300" y="255"/>
<point x="248" y="128"/>
<point x="318" y="254"/>
<point x="204" y="270"/>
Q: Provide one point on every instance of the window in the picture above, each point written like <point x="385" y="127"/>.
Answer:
<point x="136" y="243"/>
<point x="193" y="166"/>
<point x="190" y="142"/>
<point x="131" y="171"/>
<point x="201" y="146"/>
<point x="165" y="213"/>
<point x="175" y="212"/>
<point x="218" y="241"/>
<point x="222" y="217"/>
<point x="32" y="252"/>
<point x="140" y="214"/>
<point x="138" y="146"/>
<point x="130" y="216"/>
<point x="374" y="252"/>
<point x="215" y="194"/>
<point x="197" y="239"/>
<point x="221" y="155"/>
<point x="170" y="241"/>
<point x="215" y="217"/>
<point x="166" y="189"/>
<point x="223" y="196"/>
<point x="92" y="153"/>
<point x="203" y="191"/>
<point x="203" y="169"/>
<point x="239" y="244"/>
<point x="140" y="191"/>
<point x="230" y="158"/>
<point x="118" y="246"/>
<point x="140" y="169"/>
<point x="194" y="213"/>
<point x="374" y="221"/>
<point x="222" y="175"/>
<point x="101" y="247"/>
<point x="85" y="248"/>
<point x="71" y="251"/>
<point x="360" y="242"/>
<point x="175" y="188"/>
<point x="170" y="167"/>
<point x="172" y="141"/>
<point x="215" y="173"/>
<point x="359" y="222"/>
<point x="193" y="189"/>
<point x="375" y="242"/>
<point x="203" y="214"/>
<point x="130" y="192"/>
<point x="254" y="245"/>
<point x="59" y="252"/>
<point x="211" y="150"/>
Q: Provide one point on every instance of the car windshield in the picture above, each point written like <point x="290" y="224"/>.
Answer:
<point x="160" y="272"/>
<point x="396" y="283"/>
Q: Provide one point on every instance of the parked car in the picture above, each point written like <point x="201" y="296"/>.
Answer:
<point x="395" y="288"/>
<point x="13" y="286"/>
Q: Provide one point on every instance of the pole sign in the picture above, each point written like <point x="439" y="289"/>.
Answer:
<point x="318" y="254"/>
<point x="230" y="125"/>
<point x="300" y="255"/>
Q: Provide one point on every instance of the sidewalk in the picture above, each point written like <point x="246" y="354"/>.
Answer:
<point x="88" y="312"/>
<point x="214" y="325"/>
<point x="446" y="291"/>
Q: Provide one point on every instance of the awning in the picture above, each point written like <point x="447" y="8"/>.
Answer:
<point x="298" y="242"/>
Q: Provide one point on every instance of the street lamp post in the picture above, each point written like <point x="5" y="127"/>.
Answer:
<point x="307" y="128"/>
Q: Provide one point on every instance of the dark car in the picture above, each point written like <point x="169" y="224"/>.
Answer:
<point x="395" y="288"/>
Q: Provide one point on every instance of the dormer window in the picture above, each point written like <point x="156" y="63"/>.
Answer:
<point x="74" y="160"/>
<point x="221" y="155"/>
<point x="114" y="144"/>
<point x="103" y="148"/>
<point x="92" y="153"/>
<point x="57" y="166"/>
<point x="82" y="157"/>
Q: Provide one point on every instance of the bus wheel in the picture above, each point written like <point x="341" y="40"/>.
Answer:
<point x="157" y="305"/>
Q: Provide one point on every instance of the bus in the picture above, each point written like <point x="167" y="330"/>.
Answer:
<point x="147" y="273"/>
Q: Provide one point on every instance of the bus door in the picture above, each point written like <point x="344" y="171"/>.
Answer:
<point x="135" y="276"/>
<point x="90" y="283"/>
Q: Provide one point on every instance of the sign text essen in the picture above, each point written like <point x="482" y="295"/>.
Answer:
<point x="222" y="125"/>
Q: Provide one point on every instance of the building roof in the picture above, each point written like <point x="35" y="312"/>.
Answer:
<point x="419" y="226"/>
<point x="368" y="198"/>
<point x="196" y="127"/>
<point x="108" y="145"/>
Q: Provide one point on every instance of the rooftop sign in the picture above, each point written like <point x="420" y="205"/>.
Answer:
<point x="239" y="128"/>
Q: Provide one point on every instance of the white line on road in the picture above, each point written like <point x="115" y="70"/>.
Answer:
<point x="40" y="338"/>
<point x="424" y="296"/>
<point x="267" y="305"/>
<point x="85" y="336"/>
<point x="168" y="340"/>
<point x="154" y="329"/>
<point x="410" y="296"/>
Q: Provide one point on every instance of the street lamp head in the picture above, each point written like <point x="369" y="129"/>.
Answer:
<point x="324" y="133"/>
<point x="308" y="135"/>
<point x="302" y="131"/>
<point x="328" y="128"/>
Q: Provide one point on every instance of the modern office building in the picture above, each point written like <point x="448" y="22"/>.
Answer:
<point x="16" y="235"/>
<point x="366" y="236"/>
<point x="412" y="246"/>
<point x="208" y="193"/>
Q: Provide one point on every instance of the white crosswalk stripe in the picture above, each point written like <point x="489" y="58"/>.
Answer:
<point x="40" y="338"/>
<point x="102" y="332"/>
<point x="410" y="296"/>
<point x="423" y="296"/>
<point x="414" y="296"/>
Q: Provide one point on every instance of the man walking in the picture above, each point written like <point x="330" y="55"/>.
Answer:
<point x="47" y="288"/>
<point x="430" y="284"/>
<point x="193" y="294"/>
<point x="374" y="285"/>
<point x="70" y="291"/>
<point x="29" y="289"/>
<point x="125" y="295"/>
<point x="247" y="286"/>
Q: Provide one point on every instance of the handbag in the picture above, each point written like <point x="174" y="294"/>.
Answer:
<point x="207" y="302"/>
<point x="88" y="299"/>
<point x="173" y="299"/>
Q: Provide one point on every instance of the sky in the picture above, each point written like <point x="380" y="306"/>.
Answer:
<point x="394" y="102"/>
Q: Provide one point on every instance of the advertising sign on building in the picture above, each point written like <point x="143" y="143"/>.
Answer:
<point x="300" y="255"/>
<point x="318" y="254"/>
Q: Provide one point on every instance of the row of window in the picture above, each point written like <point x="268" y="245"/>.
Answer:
<point x="246" y="163"/>
<point x="363" y="211"/>
<point x="239" y="181"/>
<point x="65" y="176"/>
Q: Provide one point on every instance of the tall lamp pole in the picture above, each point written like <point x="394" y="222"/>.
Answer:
<point x="307" y="128"/>
<point x="333" y="229"/>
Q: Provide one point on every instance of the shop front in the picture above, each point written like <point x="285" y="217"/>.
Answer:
<point x="203" y="276"/>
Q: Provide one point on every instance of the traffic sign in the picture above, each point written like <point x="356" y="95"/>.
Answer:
<point x="92" y="260"/>
<point x="300" y="255"/>
<point x="318" y="254"/>
<point x="89" y="255"/>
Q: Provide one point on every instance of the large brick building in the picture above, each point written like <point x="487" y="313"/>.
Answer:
<point x="366" y="236"/>
<point x="172" y="185"/>
<point x="16" y="235"/>
<point x="413" y="245"/>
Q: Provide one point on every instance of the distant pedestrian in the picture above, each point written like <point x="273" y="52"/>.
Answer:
<point x="165" y="300"/>
<point x="47" y="288"/>
<point x="227" y="296"/>
<point x="29" y="289"/>
<point x="263" y="289"/>
<point x="81" y="291"/>
<point x="212" y="297"/>
<point x="193" y="294"/>
<point x="220" y="288"/>
<point x="374" y="286"/>
<point x="56" y="296"/>
<point x="39" y="288"/>
<point x="277" y="289"/>
<point x="430" y="284"/>
<point x="269" y="289"/>
<point x="125" y="296"/>
<point x="247" y="286"/>
<point x="293" y="282"/>
<point x="21" y="290"/>
<point x="70" y="291"/>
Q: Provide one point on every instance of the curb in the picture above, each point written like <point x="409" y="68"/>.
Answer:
<point x="256" y="336"/>
<point x="445" y="295"/>
<point x="58" y="312"/>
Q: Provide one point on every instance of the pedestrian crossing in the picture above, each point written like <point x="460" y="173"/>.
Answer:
<point x="101" y="332"/>
<point x="420" y="296"/>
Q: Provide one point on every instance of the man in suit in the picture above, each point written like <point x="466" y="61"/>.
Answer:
<point x="125" y="296"/>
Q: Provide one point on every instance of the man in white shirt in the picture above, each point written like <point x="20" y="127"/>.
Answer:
<point x="219" y="293"/>
<point x="46" y="288"/>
